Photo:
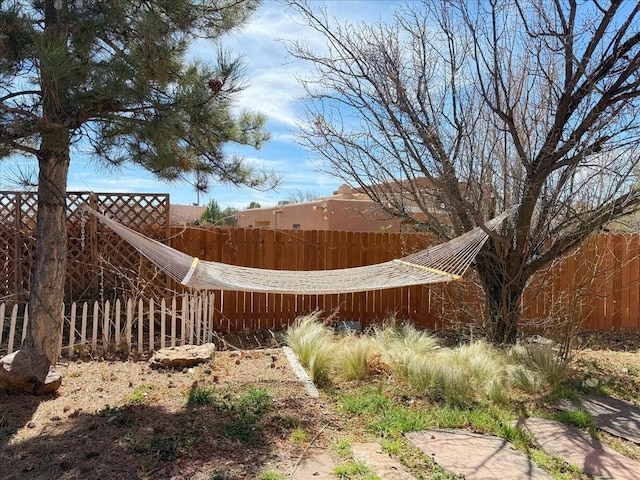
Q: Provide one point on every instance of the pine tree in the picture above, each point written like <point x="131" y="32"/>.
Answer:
<point x="113" y="75"/>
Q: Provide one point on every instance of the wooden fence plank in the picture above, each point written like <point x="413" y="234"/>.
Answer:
<point x="106" y="325"/>
<point x="163" y="322"/>
<point x="152" y="321"/>
<point x="2" y="310"/>
<point x="174" y="311"/>
<point x="12" y="328"/>
<point x="94" y="332"/>
<point x="118" y="312"/>
<point x="129" y="323"/>
<point x="83" y="329"/>
<point x="633" y="321"/>
<point x="72" y="328"/>
<point x="140" y="322"/>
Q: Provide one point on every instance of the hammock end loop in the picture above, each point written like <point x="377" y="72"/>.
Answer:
<point x="192" y="270"/>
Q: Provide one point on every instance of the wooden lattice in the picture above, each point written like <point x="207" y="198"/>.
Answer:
<point x="100" y="264"/>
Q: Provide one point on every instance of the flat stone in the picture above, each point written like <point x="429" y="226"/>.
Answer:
<point x="578" y="448"/>
<point x="476" y="457"/>
<point x="382" y="464"/>
<point x="184" y="356"/>
<point x="614" y="416"/>
<point x="318" y="465"/>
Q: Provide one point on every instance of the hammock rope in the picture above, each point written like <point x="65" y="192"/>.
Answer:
<point x="440" y="263"/>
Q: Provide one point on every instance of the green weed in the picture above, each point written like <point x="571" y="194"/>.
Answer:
<point x="578" y="418"/>
<point x="299" y="436"/>
<point x="140" y="393"/>
<point x="269" y="475"/>
<point x="354" y="469"/>
<point x="199" y="396"/>
<point x="342" y="447"/>
<point x="366" y="401"/>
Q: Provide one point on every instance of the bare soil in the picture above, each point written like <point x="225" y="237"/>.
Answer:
<point x="119" y="419"/>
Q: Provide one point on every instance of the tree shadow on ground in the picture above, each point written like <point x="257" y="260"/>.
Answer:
<point x="16" y="410"/>
<point x="223" y="441"/>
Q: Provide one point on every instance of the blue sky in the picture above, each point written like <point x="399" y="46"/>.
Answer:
<point x="273" y="90"/>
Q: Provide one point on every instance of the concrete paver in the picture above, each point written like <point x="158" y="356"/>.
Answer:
<point x="578" y="448"/>
<point x="617" y="417"/>
<point x="383" y="465"/>
<point x="317" y="465"/>
<point x="476" y="457"/>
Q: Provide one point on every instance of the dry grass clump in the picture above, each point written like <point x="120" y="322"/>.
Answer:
<point x="305" y="335"/>
<point x="400" y="346"/>
<point x="457" y="376"/>
<point x="535" y="367"/>
<point x="353" y="356"/>
<point x="460" y="376"/>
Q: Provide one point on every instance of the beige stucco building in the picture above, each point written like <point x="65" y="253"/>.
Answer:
<point x="346" y="210"/>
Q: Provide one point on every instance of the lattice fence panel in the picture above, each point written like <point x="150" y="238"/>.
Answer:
<point x="121" y="268"/>
<point x="8" y="235"/>
<point x="17" y="214"/>
<point x="100" y="264"/>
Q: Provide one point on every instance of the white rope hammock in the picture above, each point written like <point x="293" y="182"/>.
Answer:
<point x="440" y="263"/>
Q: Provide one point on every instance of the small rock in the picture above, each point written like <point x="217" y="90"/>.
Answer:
<point x="51" y="384"/>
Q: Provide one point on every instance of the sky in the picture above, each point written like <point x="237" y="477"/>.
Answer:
<point x="273" y="89"/>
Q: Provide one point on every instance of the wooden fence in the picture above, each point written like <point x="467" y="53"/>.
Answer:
<point x="309" y="250"/>
<point x="596" y="287"/>
<point x="120" y="327"/>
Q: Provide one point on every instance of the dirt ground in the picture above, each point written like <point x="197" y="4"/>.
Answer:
<point x="119" y="419"/>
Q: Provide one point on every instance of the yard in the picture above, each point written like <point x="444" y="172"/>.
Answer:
<point x="245" y="415"/>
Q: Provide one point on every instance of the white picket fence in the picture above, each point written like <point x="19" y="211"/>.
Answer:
<point x="122" y="326"/>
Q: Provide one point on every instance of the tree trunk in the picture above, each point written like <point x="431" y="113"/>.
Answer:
<point x="503" y="292"/>
<point x="49" y="271"/>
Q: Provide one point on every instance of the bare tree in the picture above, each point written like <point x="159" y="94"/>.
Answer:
<point x="458" y="110"/>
